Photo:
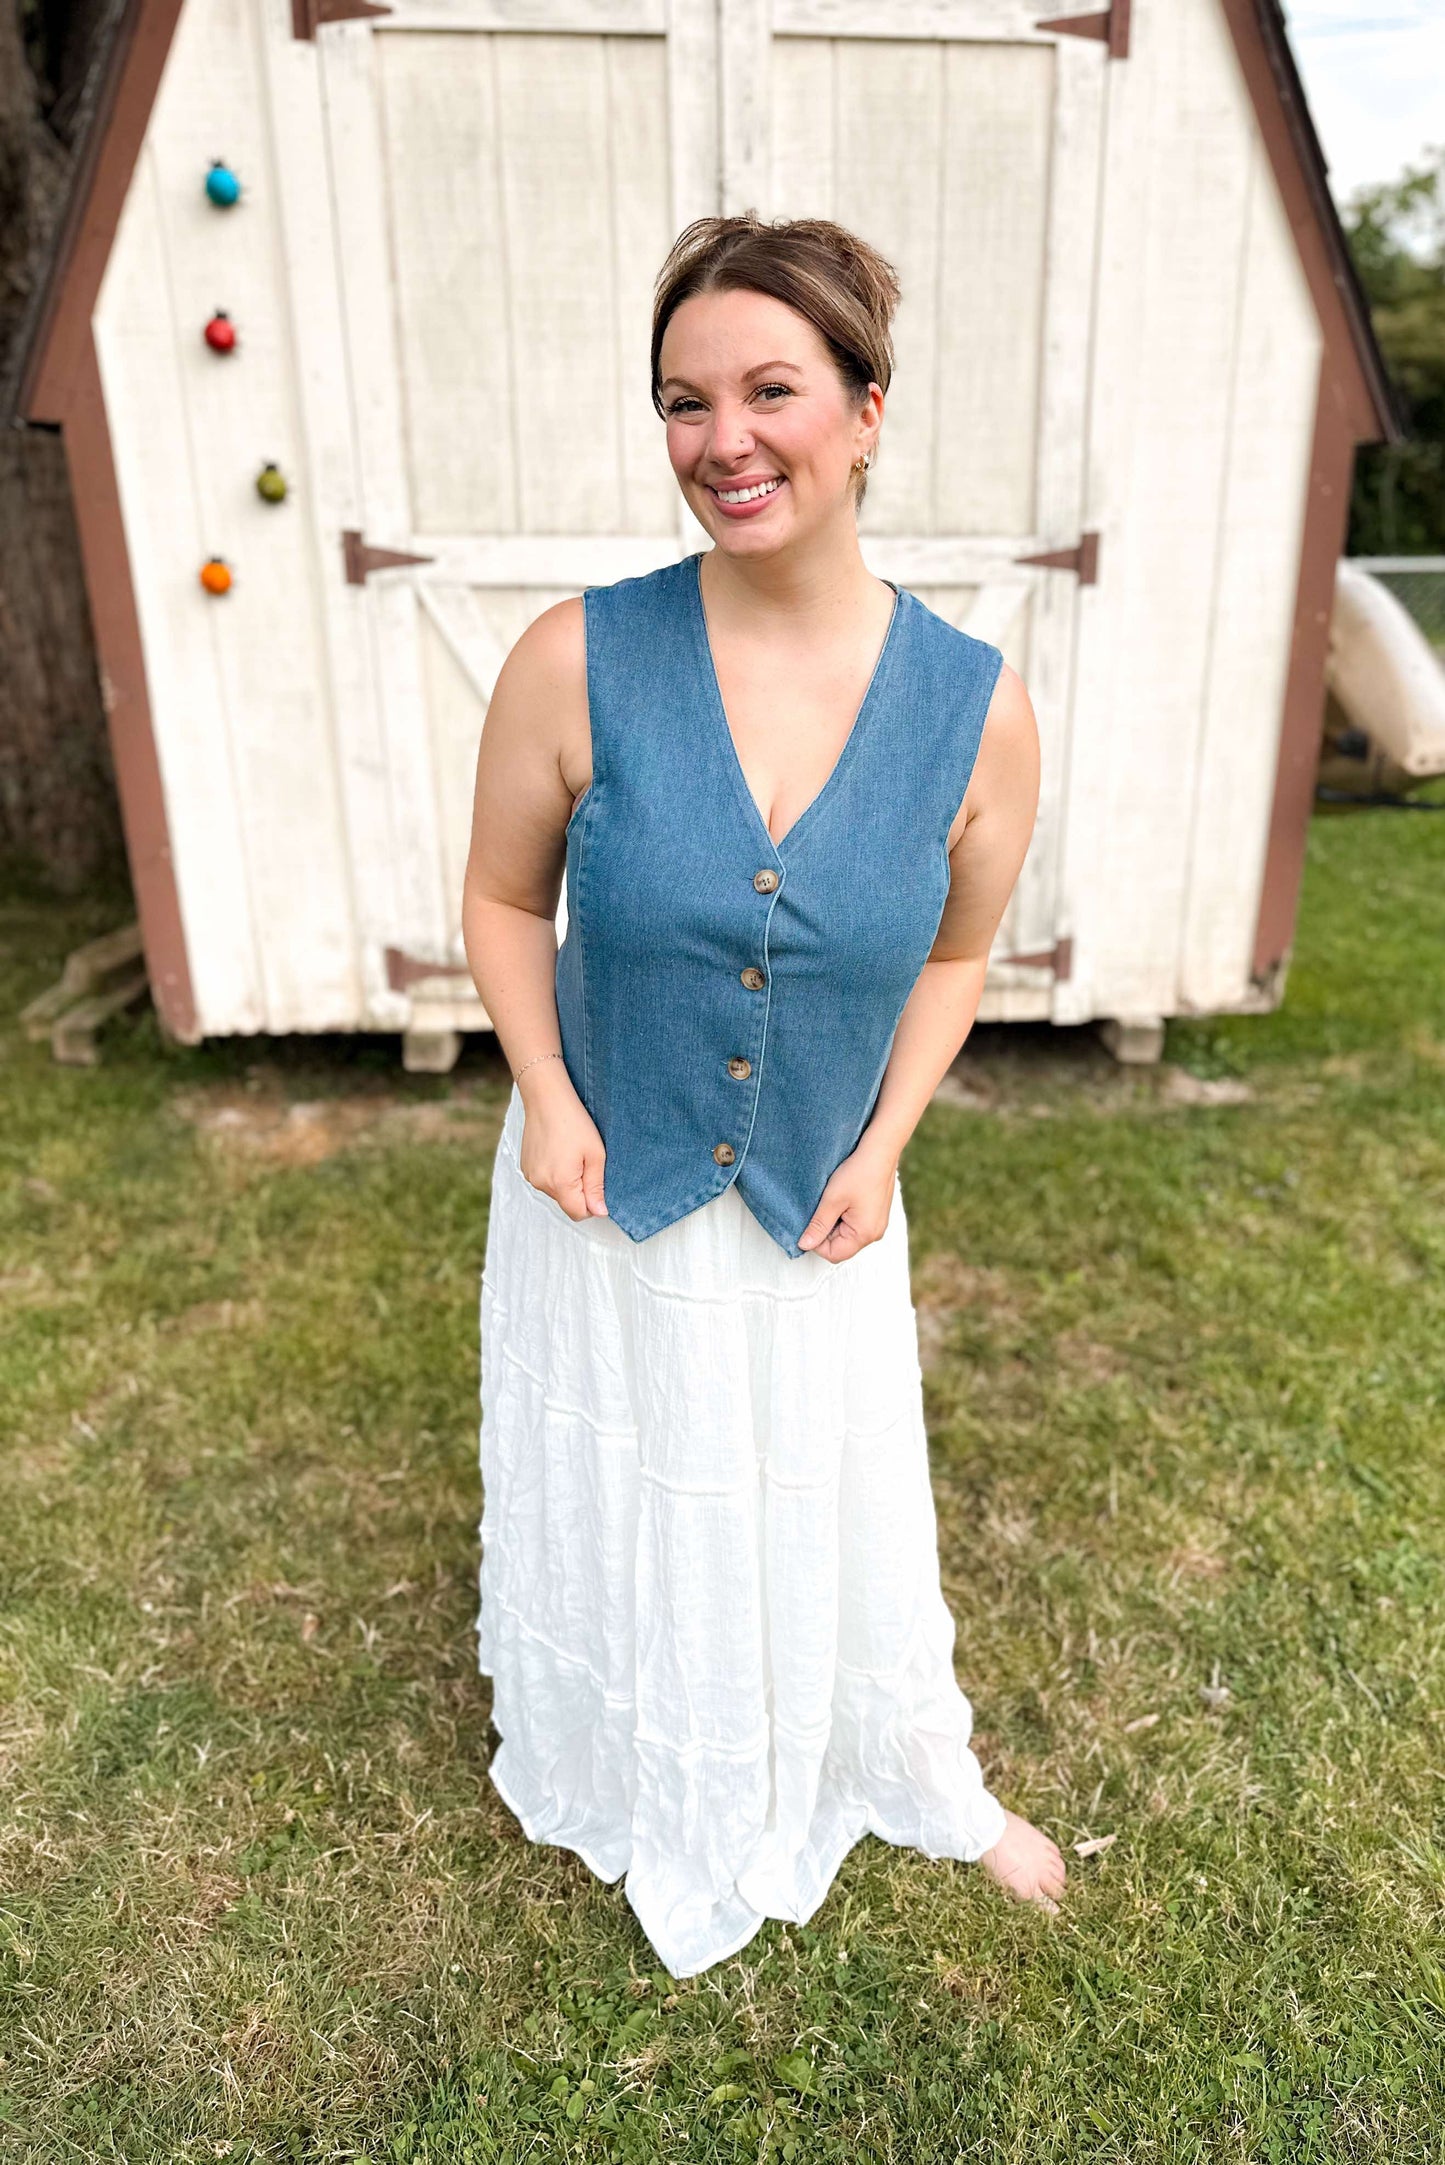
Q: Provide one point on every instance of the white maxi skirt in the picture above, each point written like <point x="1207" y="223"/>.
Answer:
<point x="710" y="1601"/>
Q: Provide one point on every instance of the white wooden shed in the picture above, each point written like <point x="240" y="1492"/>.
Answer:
<point x="1132" y="366"/>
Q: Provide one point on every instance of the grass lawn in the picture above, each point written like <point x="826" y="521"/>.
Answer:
<point x="1184" y="1335"/>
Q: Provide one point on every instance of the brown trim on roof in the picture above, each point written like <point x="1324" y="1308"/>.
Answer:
<point x="116" y="626"/>
<point x="1300" y="170"/>
<point x="1327" y="510"/>
<point x="59" y="350"/>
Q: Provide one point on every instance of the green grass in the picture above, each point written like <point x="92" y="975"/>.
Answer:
<point x="1186" y="1374"/>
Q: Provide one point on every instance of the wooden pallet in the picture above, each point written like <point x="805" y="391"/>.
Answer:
<point x="99" y="979"/>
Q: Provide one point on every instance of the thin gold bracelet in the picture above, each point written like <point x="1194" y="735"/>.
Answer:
<point x="521" y="1071"/>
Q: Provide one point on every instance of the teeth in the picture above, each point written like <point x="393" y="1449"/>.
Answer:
<point x="745" y="496"/>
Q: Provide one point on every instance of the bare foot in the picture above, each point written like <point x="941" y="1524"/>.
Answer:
<point x="1025" y="1863"/>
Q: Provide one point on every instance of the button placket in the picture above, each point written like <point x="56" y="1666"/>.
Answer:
<point x="766" y="881"/>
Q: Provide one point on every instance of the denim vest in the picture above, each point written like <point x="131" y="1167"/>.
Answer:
<point x="728" y="1004"/>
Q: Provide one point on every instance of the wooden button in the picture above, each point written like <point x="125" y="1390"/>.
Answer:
<point x="753" y="977"/>
<point x="739" y="1068"/>
<point x="724" y="1153"/>
<point x="765" y="881"/>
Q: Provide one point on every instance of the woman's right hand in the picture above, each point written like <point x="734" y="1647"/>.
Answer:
<point x="562" y="1152"/>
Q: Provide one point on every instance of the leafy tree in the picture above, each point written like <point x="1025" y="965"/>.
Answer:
<point x="1397" y="233"/>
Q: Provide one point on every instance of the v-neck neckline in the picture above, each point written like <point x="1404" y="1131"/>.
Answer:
<point x="699" y="616"/>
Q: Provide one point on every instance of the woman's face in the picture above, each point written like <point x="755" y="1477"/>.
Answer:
<point x="753" y="400"/>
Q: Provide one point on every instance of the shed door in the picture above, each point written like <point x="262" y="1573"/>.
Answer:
<point x="505" y="177"/>
<point x="963" y="142"/>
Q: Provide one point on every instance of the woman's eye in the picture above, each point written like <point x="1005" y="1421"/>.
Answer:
<point x="690" y="405"/>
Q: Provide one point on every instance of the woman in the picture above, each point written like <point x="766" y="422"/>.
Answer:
<point x="710" y="1594"/>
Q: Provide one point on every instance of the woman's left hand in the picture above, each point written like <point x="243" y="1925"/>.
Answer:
<point x="853" y="1209"/>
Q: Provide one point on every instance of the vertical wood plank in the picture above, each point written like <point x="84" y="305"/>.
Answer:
<point x="888" y="94"/>
<point x="745" y="79"/>
<point x="640" y="209"/>
<point x="552" y="114"/>
<point x="803" y="155"/>
<point x="1178" y="148"/>
<point x="1039" y="910"/>
<point x="138" y="350"/>
<point x="327" y="494"/>
<point x="997" y="122"/>
<point x="1261" y="523"/>
<point x="453" y="279"/>
<point x="360" y="154"/>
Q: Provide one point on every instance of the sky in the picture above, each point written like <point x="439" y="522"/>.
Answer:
<point x="1374" y="74"/>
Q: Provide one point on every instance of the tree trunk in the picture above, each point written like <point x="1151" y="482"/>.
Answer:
<point x="59" y="817"/>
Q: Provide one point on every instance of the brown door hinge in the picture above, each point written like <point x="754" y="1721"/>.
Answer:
<point x="404" y="970"/>
<point x="307" y="16"/>
<point x="1059" y="958"/>
<point x="1112" y="24"/>
<point x="1084" y="559"/>
<point x="361" y="558"/>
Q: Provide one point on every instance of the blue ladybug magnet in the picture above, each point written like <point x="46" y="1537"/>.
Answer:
<point x="222" y="185"/>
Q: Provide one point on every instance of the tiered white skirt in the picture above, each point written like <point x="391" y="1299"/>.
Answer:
<point x="709" y="1588"/>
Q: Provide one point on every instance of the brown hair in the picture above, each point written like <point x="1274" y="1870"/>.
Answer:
<point x="844" y="287"/>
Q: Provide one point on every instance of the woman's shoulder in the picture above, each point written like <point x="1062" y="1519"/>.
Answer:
<point x="552" y="651"/>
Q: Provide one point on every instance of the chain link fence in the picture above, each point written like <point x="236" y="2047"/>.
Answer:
<point x="1419" y="583"/>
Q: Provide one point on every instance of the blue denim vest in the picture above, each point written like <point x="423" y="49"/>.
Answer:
<point x="727" y="1003"/>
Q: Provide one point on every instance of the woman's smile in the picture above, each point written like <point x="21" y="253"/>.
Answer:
<point x="743" y="499"/>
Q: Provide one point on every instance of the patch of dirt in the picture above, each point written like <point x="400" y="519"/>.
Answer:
<point x="1008" y="1523"/>
<point x="19" y="1287"/>
<point x="971" y="1093"/>
<point x="1069" y="1073"/>
<point x="943" y="1286"/>
<point x="257" y="1121"/>
<point x="214" y="1893"/>
<point x="91" y="1418"/>
<point x="969" y="1985"/>
<point x="1191" y="1562"/>
<point x="1088" y="1357"/>
<point x="1425" y="1047"/>
<point x="1179" y="1087"/>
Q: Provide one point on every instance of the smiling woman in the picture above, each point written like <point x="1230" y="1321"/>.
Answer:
<point x="710" y="1594"/>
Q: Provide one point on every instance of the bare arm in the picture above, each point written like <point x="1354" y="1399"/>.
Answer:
<point x="986" y="859"/>
<point x="513" y="880"/>
<point x="986" y="862"/>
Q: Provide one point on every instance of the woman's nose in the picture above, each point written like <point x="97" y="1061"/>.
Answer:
<point x="732" y="435"/>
